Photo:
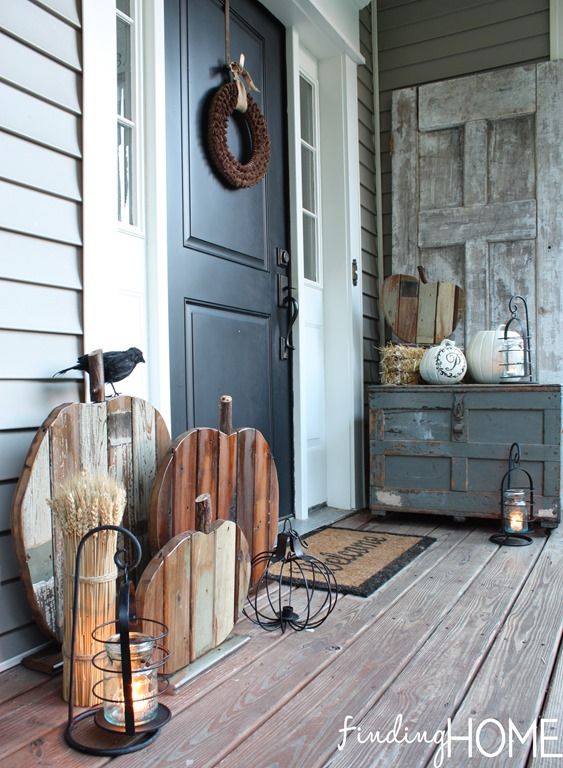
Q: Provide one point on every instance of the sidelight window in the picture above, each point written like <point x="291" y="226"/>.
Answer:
<point x="310" y="178"/>
<point x="128" y="117"/>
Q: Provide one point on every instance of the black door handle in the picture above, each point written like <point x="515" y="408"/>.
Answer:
<point x="293" y="305"/>
<point x="289" y="301"/>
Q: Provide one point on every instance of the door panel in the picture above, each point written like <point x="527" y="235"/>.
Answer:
<point x="465" y="163"/>
<point x="225" y="322"/>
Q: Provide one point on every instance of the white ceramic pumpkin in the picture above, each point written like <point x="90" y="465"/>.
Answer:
<point x="445" y="364"/>
<point x="485" y="355"/>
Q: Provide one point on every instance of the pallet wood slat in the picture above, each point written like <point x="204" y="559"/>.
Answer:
<point x="123" y="437"/>
<point x="239" y="473"/>
<point x="419" y="312"/>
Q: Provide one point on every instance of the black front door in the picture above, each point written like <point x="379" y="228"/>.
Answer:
<point x="224" y="244"/>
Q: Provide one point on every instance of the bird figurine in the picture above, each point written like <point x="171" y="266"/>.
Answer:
<point x="117" y="365"/>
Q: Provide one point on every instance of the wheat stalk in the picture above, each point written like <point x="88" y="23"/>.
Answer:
<point x="82" y="503"/>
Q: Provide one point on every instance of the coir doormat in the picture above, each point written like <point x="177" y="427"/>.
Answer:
<point x="364" y="560"/>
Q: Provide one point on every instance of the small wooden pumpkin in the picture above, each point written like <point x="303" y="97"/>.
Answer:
<point x="444" y="364"/>
<point x="485" y="356"/>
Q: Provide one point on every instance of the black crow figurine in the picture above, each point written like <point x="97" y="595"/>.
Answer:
<point x="117" y="365"/>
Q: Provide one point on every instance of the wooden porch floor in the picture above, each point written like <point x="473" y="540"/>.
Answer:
<point x="467" y="631"/>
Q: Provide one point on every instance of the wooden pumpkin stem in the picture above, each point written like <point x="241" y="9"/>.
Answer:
<point x="97" y="381"/>
<point x="226" y="414"/>
<point x="203" y="512"/>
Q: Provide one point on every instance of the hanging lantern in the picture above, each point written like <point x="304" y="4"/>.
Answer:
<point x="288" y="565"/>
<point x="516" y="505"/>
<point x="515" y="344"/>
<point x="130" y="661"/>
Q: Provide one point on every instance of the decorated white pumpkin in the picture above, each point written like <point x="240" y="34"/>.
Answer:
<point x="445" y="364"/>
<point x="485" y="356"/>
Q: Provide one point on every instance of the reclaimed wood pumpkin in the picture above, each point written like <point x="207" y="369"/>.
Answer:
<point x="419" y="311"/>
<point x="196" y="585"/>
<point x="444" y="364"/>
<point x="239" y="473"/>
<point x="125" y="437"/>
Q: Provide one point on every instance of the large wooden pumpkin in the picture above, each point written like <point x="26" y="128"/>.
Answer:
<point x="239" y="473"/>
<point x="125" y="437"/>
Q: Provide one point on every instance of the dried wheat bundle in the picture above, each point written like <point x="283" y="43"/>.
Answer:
<point x="400" y="364"/>
<point x="80" y="504"/>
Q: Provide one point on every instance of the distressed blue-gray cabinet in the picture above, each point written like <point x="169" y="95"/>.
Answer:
<point x="444" y="449"/>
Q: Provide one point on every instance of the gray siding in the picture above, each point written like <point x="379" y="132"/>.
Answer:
<point x="367" y="198"/>
<point x="421" y="41"/>
<point x="40" y="254"/>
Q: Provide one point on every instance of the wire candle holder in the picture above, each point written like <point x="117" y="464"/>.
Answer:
<point x="129" y="662"/>
<point x="516" y="504"/>
<point x="288" y="565"/>
<point x="515" y="348"/>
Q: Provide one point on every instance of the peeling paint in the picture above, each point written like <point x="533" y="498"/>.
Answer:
<point x="389" y="498"/>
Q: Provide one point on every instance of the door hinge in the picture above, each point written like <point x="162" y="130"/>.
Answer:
<point x="391" y="145"/>
<point x="354" y="272"/>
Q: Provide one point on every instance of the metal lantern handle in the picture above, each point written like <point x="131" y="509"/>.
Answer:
<point x="121" y="562"/>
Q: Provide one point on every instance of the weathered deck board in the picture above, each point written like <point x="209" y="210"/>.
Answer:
<point x="465" y="628"/>
<point x="366" y="667"/>
<point x="513" y="679"/>
<point x="222" y="721"/>
<point x="436" y="680"/>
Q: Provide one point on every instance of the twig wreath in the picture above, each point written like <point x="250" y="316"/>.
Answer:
<point x="228" y="98"/>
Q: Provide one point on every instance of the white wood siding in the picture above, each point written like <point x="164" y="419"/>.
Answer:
<point x="421" y="41"/>
<point x="367" y="201"/>
<point x="40" y="253"/>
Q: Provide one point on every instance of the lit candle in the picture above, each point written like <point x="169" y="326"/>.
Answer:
<point x="144" y="681"/>
<point x="516" y="521"/>
<point x="515" y="511"/>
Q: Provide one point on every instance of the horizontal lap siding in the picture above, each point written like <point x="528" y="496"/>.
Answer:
<point x="40" y="253"/>
<point x="421" y="41"/>
<point x="367" y="201"/>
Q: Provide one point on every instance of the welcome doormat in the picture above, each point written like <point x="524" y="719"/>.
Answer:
<point x="364" y="560"/>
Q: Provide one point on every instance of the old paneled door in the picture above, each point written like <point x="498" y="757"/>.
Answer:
<point x="477" y="173"/>
<point x="226" y="246"/>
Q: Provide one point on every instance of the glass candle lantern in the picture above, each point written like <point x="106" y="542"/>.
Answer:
<point x="144" y="681"/>
<point x="515" y="511"/>
<point x="514" y="360"/>
<point x="516" y="503"/>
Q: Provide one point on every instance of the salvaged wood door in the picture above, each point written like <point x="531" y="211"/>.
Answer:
<point x="477" y="171"/>
<point x="227" y="247"/>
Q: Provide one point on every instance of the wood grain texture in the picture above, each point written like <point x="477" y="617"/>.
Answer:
<point x="117" y="437"/>
<point x="487" y="96"/>
<point x="549" y="158"/>
<point x="239" y="473"/>
<point x="196" y="585"/>
<point x="248" y="706"/>
<point x="410" y="647"/>
<point x="517" y="690"/>
<point x="460" y="641"/>
<point x="405" y="180"/>
<point x="421" y="313"/>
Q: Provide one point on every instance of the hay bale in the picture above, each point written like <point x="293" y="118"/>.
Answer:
<point x="400" y="364"/>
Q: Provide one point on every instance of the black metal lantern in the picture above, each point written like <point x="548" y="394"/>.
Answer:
<point x="515" y="346"/>
<point x="131" y="715"/>
<point x="516" y="504"/>
<point x="288" y="564"/>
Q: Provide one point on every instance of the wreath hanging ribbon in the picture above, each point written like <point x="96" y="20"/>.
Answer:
<point x="228" y="98"/>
